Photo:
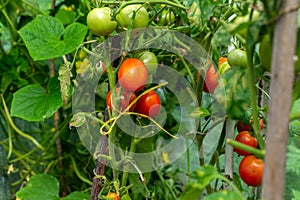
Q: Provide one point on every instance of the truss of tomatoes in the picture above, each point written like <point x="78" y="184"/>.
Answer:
<point x="132" y="77"/>
<point x="250" y="168"/>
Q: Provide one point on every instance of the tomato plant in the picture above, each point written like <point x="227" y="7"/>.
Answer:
<point x="55" y="100"/>
<point x="124" y="100"/>
<point x="140" y="14"/>
<point x="245" y="138"/>
<point x="99" y="21"/>
<point x="251" y="170"/>
<point x="132" y="74"/>
<point x="149" y="104"/>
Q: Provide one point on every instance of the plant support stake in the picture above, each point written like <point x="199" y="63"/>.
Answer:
<point x="281" y="88"/>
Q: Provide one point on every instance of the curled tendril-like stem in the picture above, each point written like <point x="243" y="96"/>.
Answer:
<point x="126" y="112"/>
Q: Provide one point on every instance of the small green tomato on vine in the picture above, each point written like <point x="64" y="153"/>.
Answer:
<point x="126" y="15"/>
<point x="99" y="21"/>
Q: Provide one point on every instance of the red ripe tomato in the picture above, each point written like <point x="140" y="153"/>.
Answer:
<point x="243" y="127"/>
<point x="247" y="127"/>
<point x="245" y="138"/>
<point x="210" y="80"/>
<point x="112" y="196"/>
<point x="132" y="74"/>
<point x="251" y="170"/>
<point x="126" y="99"/>
<point x="149" y="104"/>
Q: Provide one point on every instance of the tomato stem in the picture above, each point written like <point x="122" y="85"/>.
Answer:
<point x="257" y="152"/>
<point x="124" y="4"/>
<point x="188" y="70"/>
<point x="78" y="173"/>
<point x="253" y="98"/>
<point x="231" y="184"/>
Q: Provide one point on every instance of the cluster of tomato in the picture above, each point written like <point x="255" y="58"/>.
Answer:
<point x="101" y="22"/>
<point x="235" y="58"/>
<point x="132" y="77"/>
<point x="250" y="168"/>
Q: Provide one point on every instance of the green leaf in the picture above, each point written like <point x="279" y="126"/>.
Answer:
<point x="296" y="194"/>
<point x="203" y="176"/>
<point x="221" y="37"/>
<point x="192" y="191"/>
<point x="34" y="103"/>
<point x="237" y="95"/>
<point x="200" y="112"/>
<point x="77" y="196"/>
<point x="40" y="186"/>
<point x="293" y="160"/>
<point x="45" y="37"/>
<point x="126" y="197"/>
<point x="199" y="13"/>
<point x="65" y="15"/>
<point x="224" y="195"/>
<point x="5" y="82"/>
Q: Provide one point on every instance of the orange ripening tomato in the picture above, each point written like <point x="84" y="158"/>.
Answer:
<point x="132" y="74"/>
<point x="112" y="196"/>
<point x="223" y="65"/>
<point x="221" y="61"/>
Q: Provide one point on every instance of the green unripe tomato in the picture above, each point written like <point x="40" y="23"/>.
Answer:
<point x="141" y="16"/>
<point x="99" y="21"/>
<point x="150" y="60"/>
<point x="265" y="52"/>
<point x="167" y="18"/>
<point x="237" y="58"/>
